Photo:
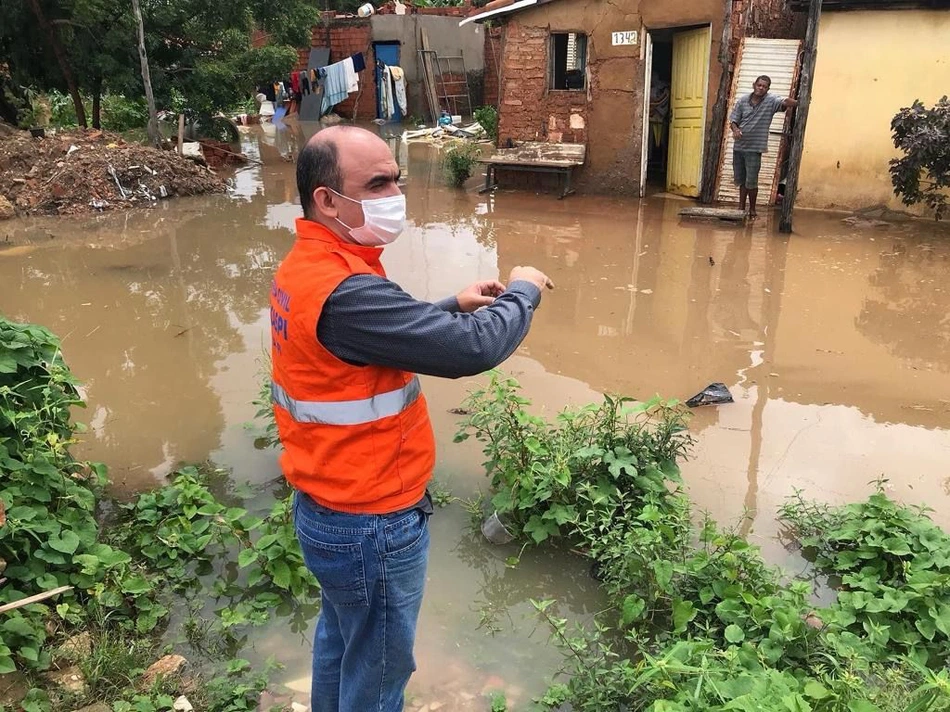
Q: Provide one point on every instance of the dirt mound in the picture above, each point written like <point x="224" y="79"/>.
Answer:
<point x="85" y="171"/>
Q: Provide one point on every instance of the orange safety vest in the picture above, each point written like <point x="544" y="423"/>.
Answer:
<point x="356" y="438"/>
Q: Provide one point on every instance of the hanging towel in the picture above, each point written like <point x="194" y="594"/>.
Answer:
<point x="359" y="64"/>
<point x="295" y="82"/>
<point x="352" y="78"/>
<point x="334" y="86"/>
<point x="399" y="83"/>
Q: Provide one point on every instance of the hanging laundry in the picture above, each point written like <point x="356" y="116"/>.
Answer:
<point x="295" y="82"/>
<point x="304" y="83"/>
<point x="334" y="86"/>
<point x="359" y="64"/>
<point x="399" y="84"/>
<point x="313" y="78"/>
<point x="352" y="78"/>
<point x="386" y="100"/>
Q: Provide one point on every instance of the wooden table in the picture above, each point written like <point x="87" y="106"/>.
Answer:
<point x="536" y="157"/>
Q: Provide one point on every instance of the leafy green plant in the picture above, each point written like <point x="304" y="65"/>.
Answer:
<point x="487" y="117"/>
<point x="893" y="564"/>
<point x="498" y="702"/>
<point x="460" y="160"/>
<point x="922" y="174"/>
<point x="698" y="621"/>
<point x="120" y="581"/>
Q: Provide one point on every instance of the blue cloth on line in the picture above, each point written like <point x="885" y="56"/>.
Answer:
<point x="334" y="86"/>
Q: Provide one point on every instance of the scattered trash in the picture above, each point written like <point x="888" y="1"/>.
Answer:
<point x="472" y="132"/>
<point x="81" y="171"/>
<point x="713" y="394"/>
<point x="495" y="531"/>
<point x="116" y="179"/>
<point x="183" y="705"/>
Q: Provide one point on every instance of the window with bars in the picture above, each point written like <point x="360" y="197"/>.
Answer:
<point x="568" y="53"/>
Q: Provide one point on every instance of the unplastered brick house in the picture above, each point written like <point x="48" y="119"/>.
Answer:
<point x="585" y="72"/>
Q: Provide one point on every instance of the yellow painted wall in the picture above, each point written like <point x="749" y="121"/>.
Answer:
<point x="870" y="65"/>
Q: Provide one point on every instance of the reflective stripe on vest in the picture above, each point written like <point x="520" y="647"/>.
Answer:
<point x="353" y="412"/>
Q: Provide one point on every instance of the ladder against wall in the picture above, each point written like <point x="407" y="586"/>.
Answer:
<point x="447" y="83"/>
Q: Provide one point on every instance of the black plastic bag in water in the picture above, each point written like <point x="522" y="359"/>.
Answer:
<point x="713" y="394"/>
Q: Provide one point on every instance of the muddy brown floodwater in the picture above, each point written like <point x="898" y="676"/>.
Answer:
<point x="835" y="343"/>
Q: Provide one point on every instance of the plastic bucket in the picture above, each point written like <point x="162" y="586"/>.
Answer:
<point x="495" y="531"/>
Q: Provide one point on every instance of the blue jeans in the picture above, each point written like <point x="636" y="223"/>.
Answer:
<point x="372" y="569"/>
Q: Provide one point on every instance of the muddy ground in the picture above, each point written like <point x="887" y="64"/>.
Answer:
<point x="81" y="171"/>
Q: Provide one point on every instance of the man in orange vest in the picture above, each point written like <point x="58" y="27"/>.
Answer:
<point x="358" y="444"/>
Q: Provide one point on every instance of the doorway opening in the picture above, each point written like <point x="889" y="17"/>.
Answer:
<point x="676" y="82"/>
<point x="386" y="54"/>
<point x="660" y="81"/>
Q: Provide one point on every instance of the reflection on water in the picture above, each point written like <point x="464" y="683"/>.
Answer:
<point x="835" y="343"/>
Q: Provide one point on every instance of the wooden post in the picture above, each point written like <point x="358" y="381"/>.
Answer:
<point x="809" y="58"/>
<point x="181" y="132"/>
<point x="154" y="136"/>
<point x="720" y="109"/>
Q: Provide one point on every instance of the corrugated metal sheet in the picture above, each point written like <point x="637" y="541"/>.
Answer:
<point x="779" y="60"/>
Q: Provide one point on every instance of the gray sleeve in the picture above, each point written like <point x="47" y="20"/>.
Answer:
<point x="734" y="116"/>
<point x="778" y="105"/>
<point x="369" y="320"/>
<point x="449" y="304"/>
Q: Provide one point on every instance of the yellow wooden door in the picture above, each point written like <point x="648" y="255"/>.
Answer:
<point x="688" y="103"/>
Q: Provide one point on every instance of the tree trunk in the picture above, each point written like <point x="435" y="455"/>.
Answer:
<point x="809" y="59"/>
<point x="60" y="54"/>
<point x="97" y="104"/>
<point x="718" y="124"/>
<point x="154" y="136"/>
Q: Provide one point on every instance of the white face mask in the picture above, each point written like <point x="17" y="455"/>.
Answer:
<point x="383" y="220"/>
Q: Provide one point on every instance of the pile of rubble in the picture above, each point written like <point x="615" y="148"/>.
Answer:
<point x="82" y="171"/>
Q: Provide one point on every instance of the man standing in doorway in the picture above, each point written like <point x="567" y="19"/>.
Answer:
<point x="750" y="121"/>
<point x="358" y="444"/>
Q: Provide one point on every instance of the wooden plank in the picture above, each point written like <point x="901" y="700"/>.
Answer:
<point x="730" y="214"/>
<point x="429" y="75"/>
<point x="809" y="59"/>
<point x="504" y="161"/>
<point x="34" y="599"/>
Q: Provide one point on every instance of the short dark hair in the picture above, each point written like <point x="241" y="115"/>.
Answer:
<point x="318" y="165"/>
<point x="765" y="78"/>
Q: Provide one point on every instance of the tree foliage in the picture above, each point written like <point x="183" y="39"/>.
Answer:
<point x="200" y="51"/>
<point x="922" y="175"/>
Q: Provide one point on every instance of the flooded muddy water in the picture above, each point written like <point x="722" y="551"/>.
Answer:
<point x="835" y="343"/>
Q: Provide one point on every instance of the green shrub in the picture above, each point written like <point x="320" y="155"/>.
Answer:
<point x="487" y="117"/>
<point x="124" y="579"/>
<point x="120" y="113"/>
<point x="460" y="159"/>
<point x="698" y="620"/>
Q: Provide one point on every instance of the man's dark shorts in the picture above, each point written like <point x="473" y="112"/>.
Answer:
<point x="745" y="167"/>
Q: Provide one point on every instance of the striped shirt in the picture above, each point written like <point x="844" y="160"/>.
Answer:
<point x="754" y="121"/>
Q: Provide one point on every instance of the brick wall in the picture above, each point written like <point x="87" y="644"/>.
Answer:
<point x="347" y="37"/>
<point x="529" y="111"/>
